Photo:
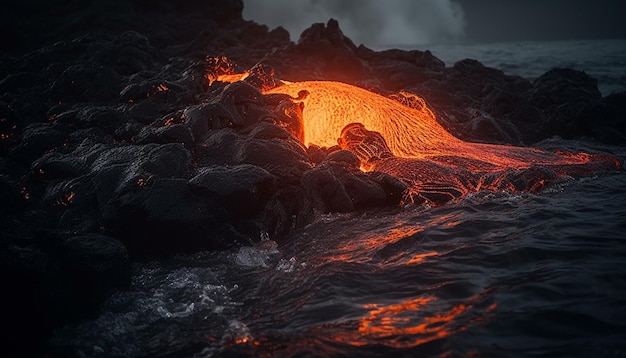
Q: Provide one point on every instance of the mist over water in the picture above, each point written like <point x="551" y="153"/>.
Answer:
<point x="370" y="22"/>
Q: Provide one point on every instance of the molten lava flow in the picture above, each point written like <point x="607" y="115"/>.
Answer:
<point x="410" y="132"/>
<point x="223" y="70"/>
<point x="233" y="77"/>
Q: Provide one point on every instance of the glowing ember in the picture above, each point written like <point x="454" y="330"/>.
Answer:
<point x="234" y="77"/>
<point x="223" y="70"/>
<point x="67" y="199"/>
<point x="25" y="193"/>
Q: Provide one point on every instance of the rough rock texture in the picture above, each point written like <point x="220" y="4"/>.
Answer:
<point x="116" y="141"/>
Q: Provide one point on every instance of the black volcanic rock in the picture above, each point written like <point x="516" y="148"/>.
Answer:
<point x="58" y="279"/>
<point x="286" y="158"/>
<point x="36" y="140"/>
<point x="175" y="133"/>
<point x="335" y="187"/>
<point x="242" y="189"/>
<point x="86" y="83"/>
<point x="399" y="69"/>
<point x="30" y="24"/>
<point x="612" y="126"/>
<point x="326" y="190"/>
<point x="483" y="126"/>
<point x="344" y="157"/>
<point x="164" y="216"/>
<point x="12" y="198"/>
<point x="322" y="52"/>
<point x="98" y="264"/>
<point x="568" y="99"/>
<point x="338" y="51"/>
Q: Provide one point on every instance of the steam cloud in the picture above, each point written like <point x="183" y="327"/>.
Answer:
<point x="375" y="23"/>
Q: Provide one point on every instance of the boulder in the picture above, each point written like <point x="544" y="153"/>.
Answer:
<point x="610" y="126"/>
<point x="86" y="83"/>
<point x="58" y="279"/>
<point x="327" y="193"/>
<point x="97" y="265"/>
<point x="345" y="158"/>
<point x="322" y="52"/>
<point x="242" y="189"/>
<point x="289" y="208"/>
<point x="36" y="139"/>
<point x="333" y="187"/>
<point x="284" y="158"/>
<point x="568" y="99"/>
<point x="175" y="133"/>
<point x="165" y="217"/>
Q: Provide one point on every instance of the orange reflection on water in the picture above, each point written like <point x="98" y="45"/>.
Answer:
<point x="363" y="246"/>
<point x="419" y="258"/>
<point x="411" y="323"/>
<point x="360" y="249"/>
<point x="404" y="325"/>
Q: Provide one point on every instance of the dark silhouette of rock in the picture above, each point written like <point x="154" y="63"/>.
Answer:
<point x="399" y="69"/>
<point x="36" y="139"/>
<point x="326" y="190"/>
<point x="85" y="83"/>
<point x="611" y="126"/>
<point x="242" y="189"/>
<point x="322" y="51"/>
<point x="57" y="279"/>
<point x="97" y="264"/>
<point x="394" y="189"/>
<point x="336" y="187"/>
<point x="164" y="217"/>
<point x="284" y="158"/>
<point x="344" y="157"/>
<point x="12" y="198"/>
<point x="289" y="208"/>
<point x="568" y="99"/>
<point x="175" y="133"/>
<point x="483" y="126"/>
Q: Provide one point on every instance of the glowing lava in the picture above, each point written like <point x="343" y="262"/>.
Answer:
<point x="409" y="132"/>
<point x="231" y="77"/>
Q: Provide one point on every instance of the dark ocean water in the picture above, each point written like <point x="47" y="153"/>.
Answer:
<point x="604" y="60"/>
<point x="494" y="275"/>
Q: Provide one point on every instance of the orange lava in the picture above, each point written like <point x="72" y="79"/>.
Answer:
<point x="410" y="132"/>
<point x="234" y="77"/>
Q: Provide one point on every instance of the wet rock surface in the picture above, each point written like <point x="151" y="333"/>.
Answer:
<point x="115" y="146"/>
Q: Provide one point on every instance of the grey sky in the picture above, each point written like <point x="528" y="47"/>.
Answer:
<point x="408" y="22"/>
<point x="500" y="20"/>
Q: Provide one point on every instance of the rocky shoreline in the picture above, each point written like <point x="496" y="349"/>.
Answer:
<point x="116" y="147"/>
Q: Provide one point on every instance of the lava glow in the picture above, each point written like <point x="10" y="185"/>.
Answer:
<point x="409" y="132"/>
<point x="232" y="77"/>
<point x="413" y="322"/>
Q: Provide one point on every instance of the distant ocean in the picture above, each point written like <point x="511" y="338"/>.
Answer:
<point x="604" y="60"/>
<point x="494" y="275"/>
